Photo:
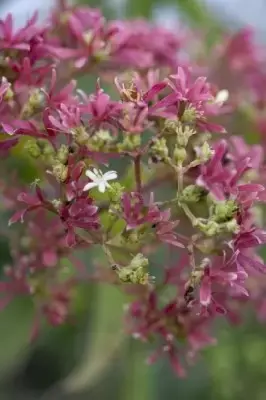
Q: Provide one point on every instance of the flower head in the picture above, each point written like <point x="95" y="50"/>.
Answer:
<point x="99" y="179"/>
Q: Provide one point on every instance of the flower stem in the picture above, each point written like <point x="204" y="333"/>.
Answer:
<point x="137" y="172"/>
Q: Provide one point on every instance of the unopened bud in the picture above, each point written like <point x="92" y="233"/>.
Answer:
<point x="179" y="155"/>
<point x="60" y="171"/>
<point x="139" y="261"/>
<point x="34" y="104"/>
<point x="33" y="149"/>
<point x="62" y="154"/>
<point x="211" y="228"/>
<point x="192" y="194"/>
<point x="224" y="210"/>
<point x="183" y="133"/>
<point x="190" y="114"/>
<point x="204" y="152"/>
<point x="80" y="135"/>
<point x="159" y="149"/>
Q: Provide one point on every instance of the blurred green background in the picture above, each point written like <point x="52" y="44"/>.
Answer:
<point x="91" y="359"/>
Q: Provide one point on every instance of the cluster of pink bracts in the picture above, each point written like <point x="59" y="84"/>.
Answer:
<point x="171" y="130"/>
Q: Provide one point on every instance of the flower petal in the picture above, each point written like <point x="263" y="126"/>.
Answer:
<point x="89" y="186"/>
<point x="91" y="175"/>
<point x="110" y="175"/>
<point x="102" y="186"/>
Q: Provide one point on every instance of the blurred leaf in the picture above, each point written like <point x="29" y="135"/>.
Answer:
<point x="104" y="337"/>
<point x="139" y="8"/>
<point x="198" y="15"/>
<point x="16" y="322"/>
<point x="139" y="382"/>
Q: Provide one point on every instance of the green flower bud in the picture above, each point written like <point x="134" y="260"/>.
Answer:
<point x="204" y="152"/>
<point x="80" y="135"/>
<point x="130" y="142"/>
<point x="135" y="272"/>
<point x="139" y="261"/>
<point x="211" y="228"/>
<point x="33" y="149"/>
<point x="62" y="154"/>
<point x="170" y="126"/>
<point x="190" y="114"/>
<point x="179" y="155"/>
<point x="224" y="210"/>
<point x="159" y="149"/>
<point x="231" y="226"/>
<point x="183" y="133"/>
<point x="115" y="192"/>
<point x="34" y="104"/>
<point x="192" y="194"/>
<point x="60" y="171"/>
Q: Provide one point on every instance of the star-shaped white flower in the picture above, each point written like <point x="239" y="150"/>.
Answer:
<point x="99" y="179"/>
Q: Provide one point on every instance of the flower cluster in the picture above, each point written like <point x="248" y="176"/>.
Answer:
<point x="193" y="191"/>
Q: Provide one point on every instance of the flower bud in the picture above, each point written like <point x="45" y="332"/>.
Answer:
<point x="159" y="149"/>
<point x="115" y="192"/>
<point x="80" y="135"/>
<point x="130" y="142"/>
<point x="62" y="154"/>
<point x="204" y="152"/>
<point x="211" y="228"/>
<point x="224" y="210"/>
<point x="34" y="104"/>
<point x="179" y="155"/>
<point x="139" y="261"/>
<point x="33" y="149"/>
<point x="192" y="194"/>
<point x="183" y="133"/>
<point x="60" y="171"/>
<point x="190" y="114"/>
<point x="232" y="226"/>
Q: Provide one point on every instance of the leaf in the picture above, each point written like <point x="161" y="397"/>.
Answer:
<point x="104" y="338"/>
<point x="16" y="322"/>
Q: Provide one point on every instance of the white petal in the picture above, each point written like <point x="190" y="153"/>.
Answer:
<point x="222" y="96"/>
<point x="89" y="186"/>
<point x="97" y="172"/>
<point x="102" y="186"/>
<point x="110" y="175"/>
<point x="91" y="175"/>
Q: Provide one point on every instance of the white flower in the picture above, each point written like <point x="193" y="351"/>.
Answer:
<point x="98" y="179"/>
<point x="221" y="97"/>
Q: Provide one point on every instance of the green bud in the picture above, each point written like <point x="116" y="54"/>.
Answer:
<point x="190" y="114"/>
<point x="224" y="210"/>
<point x="170" y="126"/>
<point x="47" y="148"/>
<point x="60" y="171"/>
<point x="135" y="272"/>
<point x="231" y="226"/>
<point x="159" y="149"/>
<point x="33" y="149"/>
<point x="192" y="194"/>
<point x="115" y="192"/>
<point x="62" y="154"/>
<point x="80" y="135"/>
<point x="34" y="104"/>
<point x="179" y="155"/>
<point x="205" y="152"/>
<point x="211" y="228"/>
<point x="130" y="142"/>
<point x="139" y="261"/>
<point x="183" y="133"/>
